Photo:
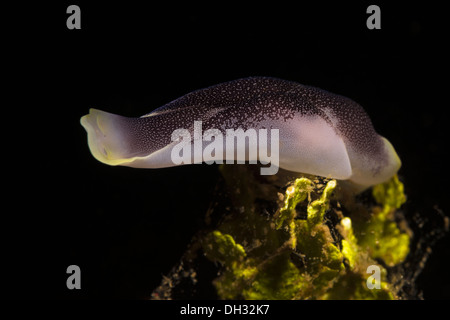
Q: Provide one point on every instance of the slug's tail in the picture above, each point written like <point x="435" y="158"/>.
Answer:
<point x="106" y="139"/>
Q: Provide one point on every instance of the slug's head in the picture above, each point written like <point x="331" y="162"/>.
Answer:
<point x="106" y="141"/>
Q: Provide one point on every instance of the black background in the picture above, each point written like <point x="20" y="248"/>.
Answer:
<point x="126" y="227"/>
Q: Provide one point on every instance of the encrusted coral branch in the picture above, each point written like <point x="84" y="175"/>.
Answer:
<point x="293" y="257"/>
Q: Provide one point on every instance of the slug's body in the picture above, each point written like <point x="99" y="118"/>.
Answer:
<point x="320" y="133"/>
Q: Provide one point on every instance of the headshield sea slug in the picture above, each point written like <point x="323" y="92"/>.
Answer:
<point x="320" y="133"/>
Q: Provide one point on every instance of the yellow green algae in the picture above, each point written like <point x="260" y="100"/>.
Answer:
<point x="310" y="248"/>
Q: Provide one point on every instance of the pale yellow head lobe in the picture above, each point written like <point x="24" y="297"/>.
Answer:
<point x="105" y="140"/>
